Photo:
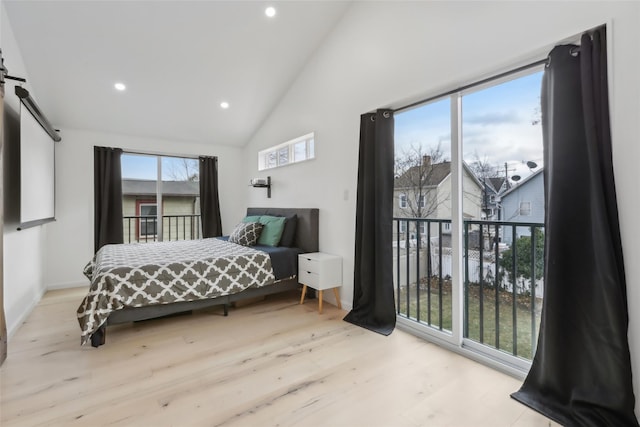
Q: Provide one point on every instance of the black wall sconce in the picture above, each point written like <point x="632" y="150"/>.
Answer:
<point x="262" y="183"/>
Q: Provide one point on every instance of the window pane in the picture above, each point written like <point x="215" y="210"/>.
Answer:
<point x="502" y="147"/>
<point x="271" y="160"/>
<point x="180" y="199"/>
<point x="180" y="169"/>
<point x="148" y="210"/>
<point x="525" y="208"/>
<point x="148" y="220"/>
<point x="423" y="160"/>
<point x="137" y="166"/>
<point x="139" y="179"/>
<point x="283" y="156"/>
<point x="300" y="151"/>
<point x="403" y="200"/>
<point x="422" y="167"/>
<point x="312" y="148"/>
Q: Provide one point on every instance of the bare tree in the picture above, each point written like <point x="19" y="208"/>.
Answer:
<point x="181" y="169"/>
<point x="482" y="168"/>
<point x="418" y="170"/>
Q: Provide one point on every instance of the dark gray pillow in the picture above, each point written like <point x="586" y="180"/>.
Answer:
<point x="288" y="238"/>
<point x="246" y="233"/>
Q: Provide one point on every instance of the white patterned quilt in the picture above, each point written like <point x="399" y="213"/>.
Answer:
<point x="135" y="275"/>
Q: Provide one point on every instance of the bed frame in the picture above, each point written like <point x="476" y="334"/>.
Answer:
<point x="306" y="238"/>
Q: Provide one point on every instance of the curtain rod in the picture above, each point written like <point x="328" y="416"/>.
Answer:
<point x="19" y="79"/>
<point x="31" y="105"/>
<point x="470" y="85"/>
<point x="158" y="154"/>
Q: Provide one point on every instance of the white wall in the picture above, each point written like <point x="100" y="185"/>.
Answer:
<point x="23" y="250"/>
<point x="386" y="54"/>
<point x="74" y="195"/>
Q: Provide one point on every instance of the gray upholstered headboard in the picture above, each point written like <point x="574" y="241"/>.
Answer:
<point x="307" y="229"/>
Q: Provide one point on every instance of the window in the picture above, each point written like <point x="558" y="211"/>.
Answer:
<point x="147" y="221"/>
<point x="403" y="226"/>
<point x="421" y="202"/>
<point x="294" y="151"/>
<point x="525" y="208"/>
<point x="160" y="198"/>
<point x="423" y="228"/>
<point x="403" y="200"/>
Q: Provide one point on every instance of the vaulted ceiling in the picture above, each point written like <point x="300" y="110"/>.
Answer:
<point x="178" y="59"/>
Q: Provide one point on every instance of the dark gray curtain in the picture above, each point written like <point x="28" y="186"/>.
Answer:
<point x="209" y="200"/>
<point x="107" y="194"/>
<point x="373" y="298"/>
<point x="581" y="372"/>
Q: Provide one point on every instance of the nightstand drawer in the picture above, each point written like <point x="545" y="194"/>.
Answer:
<point x="309" y="278"/>
<point x="308" y="264"/>
<point x="320" y="271"/>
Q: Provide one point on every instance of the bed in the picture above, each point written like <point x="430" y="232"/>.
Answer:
<point x="133" y="282"/>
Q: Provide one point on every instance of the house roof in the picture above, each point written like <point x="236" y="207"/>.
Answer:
<point x="523" y="182"/>
<point x="495" y="183"/>
<point x="433" y="176"/>
<point x="143" y="187"/>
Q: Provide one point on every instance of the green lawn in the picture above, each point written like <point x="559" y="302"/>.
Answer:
<point x="505" y="314"/>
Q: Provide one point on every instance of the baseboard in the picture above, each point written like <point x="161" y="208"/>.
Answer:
<point x="68" y="285"/>
<point x="12" y="327"/>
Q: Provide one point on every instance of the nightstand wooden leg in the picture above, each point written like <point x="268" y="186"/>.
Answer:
<point x="304" y="292"/>
<point x="337" y="295"/>
<point x="320" y="303"/>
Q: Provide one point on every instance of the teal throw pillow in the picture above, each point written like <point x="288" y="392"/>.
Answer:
<point x="272" y="230"/>
<point x="251" y="218"/>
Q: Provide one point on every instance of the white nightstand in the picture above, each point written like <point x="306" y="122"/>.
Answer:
<point x="320" y="271"/>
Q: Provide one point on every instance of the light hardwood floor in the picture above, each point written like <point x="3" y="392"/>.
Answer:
<point x="272" y="363"/>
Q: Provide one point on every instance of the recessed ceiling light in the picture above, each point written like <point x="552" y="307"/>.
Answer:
<point x="270" y="11"/>
<point x="120" y="86"/>
<point x="224" y="105"/>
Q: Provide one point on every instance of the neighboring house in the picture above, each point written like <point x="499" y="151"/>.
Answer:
<point x="180" y="210"/>
<point x="523" y="203"/>
<point x="424" y="191"/>
<point x="493" y="188"/>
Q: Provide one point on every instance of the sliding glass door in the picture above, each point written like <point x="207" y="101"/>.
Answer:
<point x="469" y="217"/>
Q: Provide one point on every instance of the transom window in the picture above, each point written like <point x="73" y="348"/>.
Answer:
<point x="293" y="151"/>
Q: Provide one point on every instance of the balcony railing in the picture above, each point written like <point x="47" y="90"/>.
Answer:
<point x="502" y="266"/>
<point x="174" y="227"/>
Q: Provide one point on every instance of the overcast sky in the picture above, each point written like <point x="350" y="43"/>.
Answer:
<point x="497" y="125"/>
